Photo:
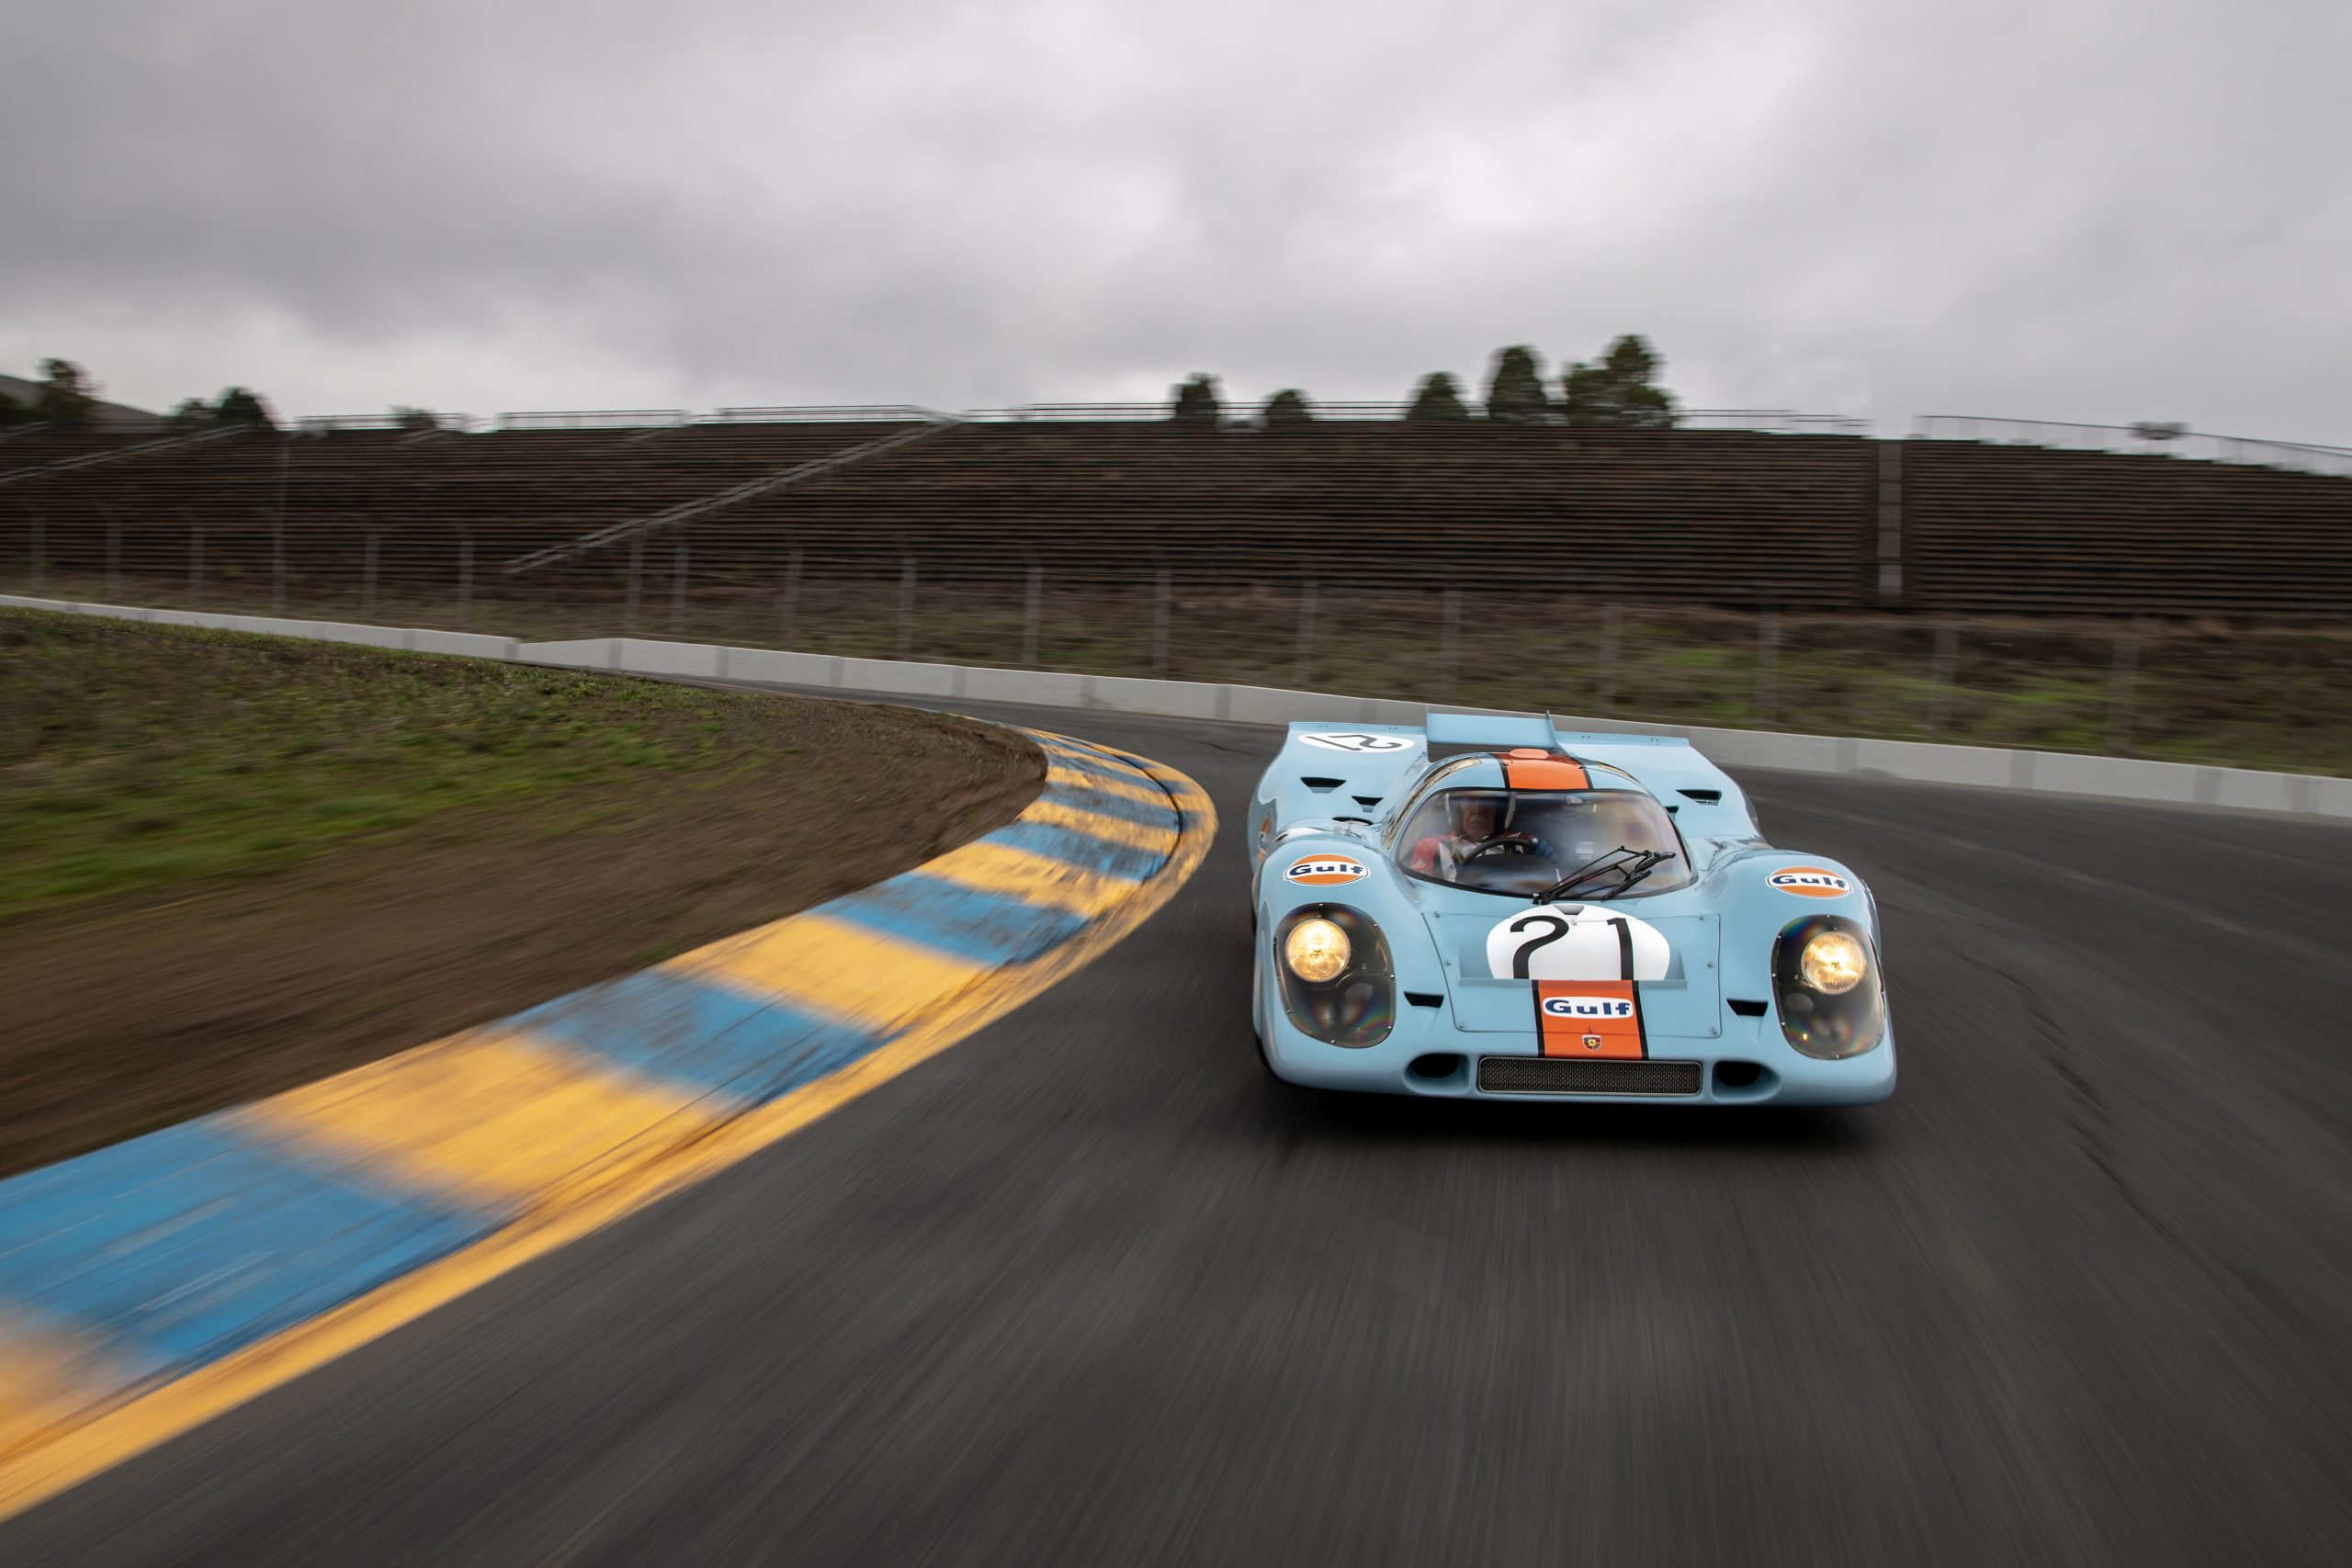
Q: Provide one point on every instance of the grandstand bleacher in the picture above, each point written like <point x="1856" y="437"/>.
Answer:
<point x="1723" y="517"/>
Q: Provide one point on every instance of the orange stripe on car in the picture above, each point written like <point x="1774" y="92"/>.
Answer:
<point x="1536" y="771"/>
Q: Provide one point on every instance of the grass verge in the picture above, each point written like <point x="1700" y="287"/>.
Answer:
<point x="230" y="864"/>
<point x="2249" y="696"/>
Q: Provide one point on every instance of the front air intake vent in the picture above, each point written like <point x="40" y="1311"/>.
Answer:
<point x="1746" y="1009"/>
<point x="1704" y="796"/>
<point x="1366" y="801"/>
<point x="1552" y="1074"/>
<point x="1322" y="786"/>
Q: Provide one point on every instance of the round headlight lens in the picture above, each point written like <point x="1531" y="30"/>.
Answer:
<point x="1834" y="963"/>
<point x="1316" y="950"/>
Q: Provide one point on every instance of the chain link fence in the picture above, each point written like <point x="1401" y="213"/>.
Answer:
<point x="2196" y="692"/>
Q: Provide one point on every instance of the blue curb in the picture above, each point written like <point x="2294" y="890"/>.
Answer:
<point x="189" y="1244"/>
<point x="696" y="1034"/>
<point x="1078" y="850"/>
<point x="1151" y="814"/>
<point x="964" y="922"/>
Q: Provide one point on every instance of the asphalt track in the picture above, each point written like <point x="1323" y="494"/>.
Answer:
<point x="1088" y="1288"/>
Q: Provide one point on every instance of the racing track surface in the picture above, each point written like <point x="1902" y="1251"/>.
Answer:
<point x="1090" y="1289"/>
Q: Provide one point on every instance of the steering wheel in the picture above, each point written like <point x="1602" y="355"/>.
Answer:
<point x="1526" y="863"/>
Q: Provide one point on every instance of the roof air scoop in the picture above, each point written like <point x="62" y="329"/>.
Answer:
<point x="1451" y="734"/>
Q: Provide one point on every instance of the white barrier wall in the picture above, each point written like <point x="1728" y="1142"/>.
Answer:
<point x="2053" y="772"/>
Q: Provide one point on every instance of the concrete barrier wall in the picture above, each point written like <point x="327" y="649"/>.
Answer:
<point x="2053" y="772"/>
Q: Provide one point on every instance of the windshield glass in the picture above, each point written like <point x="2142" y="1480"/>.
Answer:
<point x="1521" y="842"/>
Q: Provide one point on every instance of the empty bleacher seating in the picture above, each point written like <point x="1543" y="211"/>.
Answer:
<point x="1691" y="516"/>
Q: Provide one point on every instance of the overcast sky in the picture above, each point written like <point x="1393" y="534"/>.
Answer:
<point x="2102" y="210"/>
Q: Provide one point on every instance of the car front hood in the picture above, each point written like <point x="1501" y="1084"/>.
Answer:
<point x="1687" y="1002"/>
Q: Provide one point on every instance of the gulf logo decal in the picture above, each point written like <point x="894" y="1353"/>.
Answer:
<point x="1811" y="882"/>
<point x="1590" y="1019"/>
<point x="1574" y="1007"/>
<point x="1324" y="871"/>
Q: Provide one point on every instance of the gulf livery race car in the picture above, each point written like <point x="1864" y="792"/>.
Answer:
<point x="1489" y="908"/>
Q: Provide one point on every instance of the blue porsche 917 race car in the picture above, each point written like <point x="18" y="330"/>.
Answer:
<point x="1489" y="908"/>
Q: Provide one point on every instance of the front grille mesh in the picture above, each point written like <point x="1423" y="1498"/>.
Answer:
<point x="1551" y="1075"/>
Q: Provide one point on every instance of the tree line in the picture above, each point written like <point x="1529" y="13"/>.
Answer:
<point x="1618" y="388"/>
<point x="68" y="400"/>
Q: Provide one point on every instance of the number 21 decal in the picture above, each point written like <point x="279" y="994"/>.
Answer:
<point x="1585" y="943"/>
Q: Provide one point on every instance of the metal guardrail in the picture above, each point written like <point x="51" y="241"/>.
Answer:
<point x="2146" y="439"/>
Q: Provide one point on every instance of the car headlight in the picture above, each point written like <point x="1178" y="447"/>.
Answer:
<point x="1338" y="984"/>
<point x="1829" y="988"/>
<point x="1834" y="963"/>
<point x="1316" y="949"/>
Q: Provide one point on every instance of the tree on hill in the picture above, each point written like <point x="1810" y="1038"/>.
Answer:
<point x="1438" y="397"/>
<point x="68" y="397"/>
<point x="238" y="405"/>
<point x="1619" y="388"/>
<point x="416" y="421"/>
<point x="1515" y="392"/>
<point x="1287" y="407"/>
<point x="1197" y="398"/>
<point x="14" y="413"/>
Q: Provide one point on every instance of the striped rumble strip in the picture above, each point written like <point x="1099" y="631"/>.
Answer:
<point x="191" y="1257"/>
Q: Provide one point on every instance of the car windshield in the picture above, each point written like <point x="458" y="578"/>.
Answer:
<point x="1522" y="842"/>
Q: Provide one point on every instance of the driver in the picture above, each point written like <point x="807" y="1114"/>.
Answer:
<point x="1477" y="822"/>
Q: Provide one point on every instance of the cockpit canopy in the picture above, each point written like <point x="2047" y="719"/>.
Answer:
<point x="1469" y="827"/>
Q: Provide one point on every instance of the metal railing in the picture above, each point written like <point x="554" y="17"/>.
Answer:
<point x="1237" y="415"/>
<point x="593" y="419"/>
<point x="686" y="512"/>
<point x="841" y="413"/>
<point x="328" y="423"/>
<point x="110" y="453"/>
<point x="2146" y="439"/>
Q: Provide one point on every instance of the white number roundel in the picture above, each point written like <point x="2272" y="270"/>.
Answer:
<point x="1569" y="941"/>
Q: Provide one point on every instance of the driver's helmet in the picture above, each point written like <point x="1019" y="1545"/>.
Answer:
<point x="1495" y="801"/>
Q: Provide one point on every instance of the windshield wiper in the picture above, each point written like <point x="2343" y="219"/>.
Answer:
<point x="1635" y="865"/>
<point x="1651" y="860"/>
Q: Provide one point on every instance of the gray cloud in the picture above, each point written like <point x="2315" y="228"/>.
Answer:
<point x="2109" y="210"/>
